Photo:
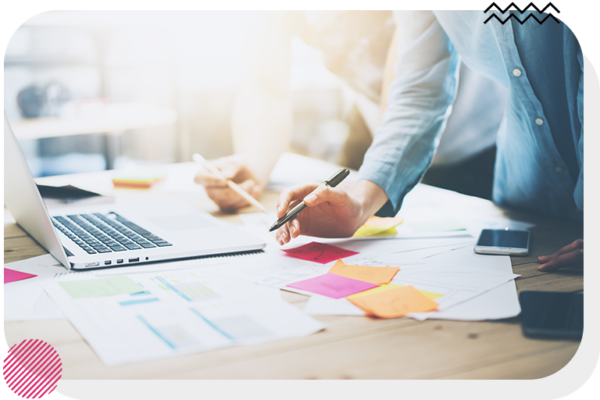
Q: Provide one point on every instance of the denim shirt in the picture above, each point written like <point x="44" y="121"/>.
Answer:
<point x="539" y="163"/>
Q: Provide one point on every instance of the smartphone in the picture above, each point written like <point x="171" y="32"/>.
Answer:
<point x="556" y="315"/>
<point x="503" y="241"/>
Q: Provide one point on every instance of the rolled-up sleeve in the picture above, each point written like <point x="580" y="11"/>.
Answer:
<point x="419" y="101"/>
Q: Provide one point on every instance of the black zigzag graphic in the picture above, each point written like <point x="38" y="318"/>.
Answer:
<point x="530" y="6"/>
<point x="521" y="11"/>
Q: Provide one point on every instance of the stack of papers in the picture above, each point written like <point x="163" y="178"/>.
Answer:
<point x="25" y="300"/>
<point x="138" y="317"/>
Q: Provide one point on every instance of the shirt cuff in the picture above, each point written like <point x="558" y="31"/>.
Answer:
<point x="384" y="175"/>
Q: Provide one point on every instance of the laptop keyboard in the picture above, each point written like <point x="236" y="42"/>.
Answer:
<point x="105" y="233"/>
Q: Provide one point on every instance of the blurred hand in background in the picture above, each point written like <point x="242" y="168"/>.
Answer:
<point x="570" y="255"/>
<point x="235" y="169"/>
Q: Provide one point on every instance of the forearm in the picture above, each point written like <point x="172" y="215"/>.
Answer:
<point x="371" y="198"/>
<point x="262" y="114"/>
<point x="418" y="103"/>
<point x="262" y="128"/>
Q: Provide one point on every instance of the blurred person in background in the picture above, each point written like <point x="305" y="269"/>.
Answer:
<point x="539" y="165"/>
<point x="360" y="48"/>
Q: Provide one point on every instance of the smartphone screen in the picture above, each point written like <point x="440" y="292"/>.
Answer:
<point x="503" y="238"/>
<point x="552" y="314"/>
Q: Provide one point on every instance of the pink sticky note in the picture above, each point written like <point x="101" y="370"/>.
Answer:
<point x="10" y="275"/>
<point x="332" y="285"/>
<point x="319" y="252"/>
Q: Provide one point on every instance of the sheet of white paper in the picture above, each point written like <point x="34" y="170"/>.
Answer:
<point x="165" y="266"/>
<point x="455" y="287"/>
<point x="396" y="246"/>
<point x="321" y="305"/>
<point x="293" y="169"/>
<point x="44" y="266"/>
<point x="404" y="252"/>
<point x="26" y="300"/>
<point x="468" y="273"/>
<point x="270" y="269"/>
<point x="180" y="179"/>
<point x="179" y="313"/>
<point x="465" y="259"/>
<point x="501" y="302"/>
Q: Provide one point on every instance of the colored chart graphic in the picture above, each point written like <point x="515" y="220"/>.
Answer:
<point x="173" y="335"/>
<point x="190" y="291"/>
<point x="32" y="369"/>
<point x="238" y="327"/>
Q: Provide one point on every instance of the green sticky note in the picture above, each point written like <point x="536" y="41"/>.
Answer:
<point x="100" y="287"/>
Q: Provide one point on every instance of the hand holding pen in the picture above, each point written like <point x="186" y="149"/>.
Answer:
<point x="218" y="176"/>
<point x="327" y="212"/>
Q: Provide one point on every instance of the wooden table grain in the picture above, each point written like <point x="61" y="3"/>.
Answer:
<point x="349" y="347"/>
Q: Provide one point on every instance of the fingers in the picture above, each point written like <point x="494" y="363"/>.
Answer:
<point x="287" y="232"/>
<point x="578" y="244"/>
<point x="209" y="180"/>
<point x="226" y="198"/>
<point x="283" y="235"/>
<point x="322" y="194"/>
<point x="228" y="168"/>
<point x="295" y="193"/>
<point x="229" y="200"/>
<point x="294" y="226"/>
<point x="574" y="257"/>
<point x="231" y="167"/>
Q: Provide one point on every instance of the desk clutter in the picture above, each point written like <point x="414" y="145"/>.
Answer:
<point x="418" y="265"/>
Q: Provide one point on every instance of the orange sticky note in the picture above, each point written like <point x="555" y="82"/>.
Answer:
<point x="376" y="275"/>
<point x="394" y="303"/>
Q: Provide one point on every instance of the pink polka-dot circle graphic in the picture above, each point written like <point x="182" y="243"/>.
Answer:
<point x="32" y="369"/>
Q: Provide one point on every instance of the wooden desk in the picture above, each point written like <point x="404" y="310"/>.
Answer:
<point x="349" y="347"/>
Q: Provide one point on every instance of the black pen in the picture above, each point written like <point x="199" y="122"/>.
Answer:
<point x="331" y="182"/>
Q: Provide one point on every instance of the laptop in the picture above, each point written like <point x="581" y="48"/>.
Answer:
<point x="114" y="235"/>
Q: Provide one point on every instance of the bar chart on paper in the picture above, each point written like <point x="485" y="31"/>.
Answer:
<point x="176" y="313"/>
<point x="190" y="291"/>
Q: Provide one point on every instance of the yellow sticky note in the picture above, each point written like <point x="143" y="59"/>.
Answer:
<point x="138" y="177"/>
<point x="381" y="288"/>
<point x="377" y="275"/>
<point x="364" y="231"/>
<point x="376" y="226"/>
<point x="388" y="286"/>
<point x="394" y="303"/>
<point x="431" y="295"/>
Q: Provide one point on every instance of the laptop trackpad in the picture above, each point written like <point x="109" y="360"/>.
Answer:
<point x="181" y="222"/>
